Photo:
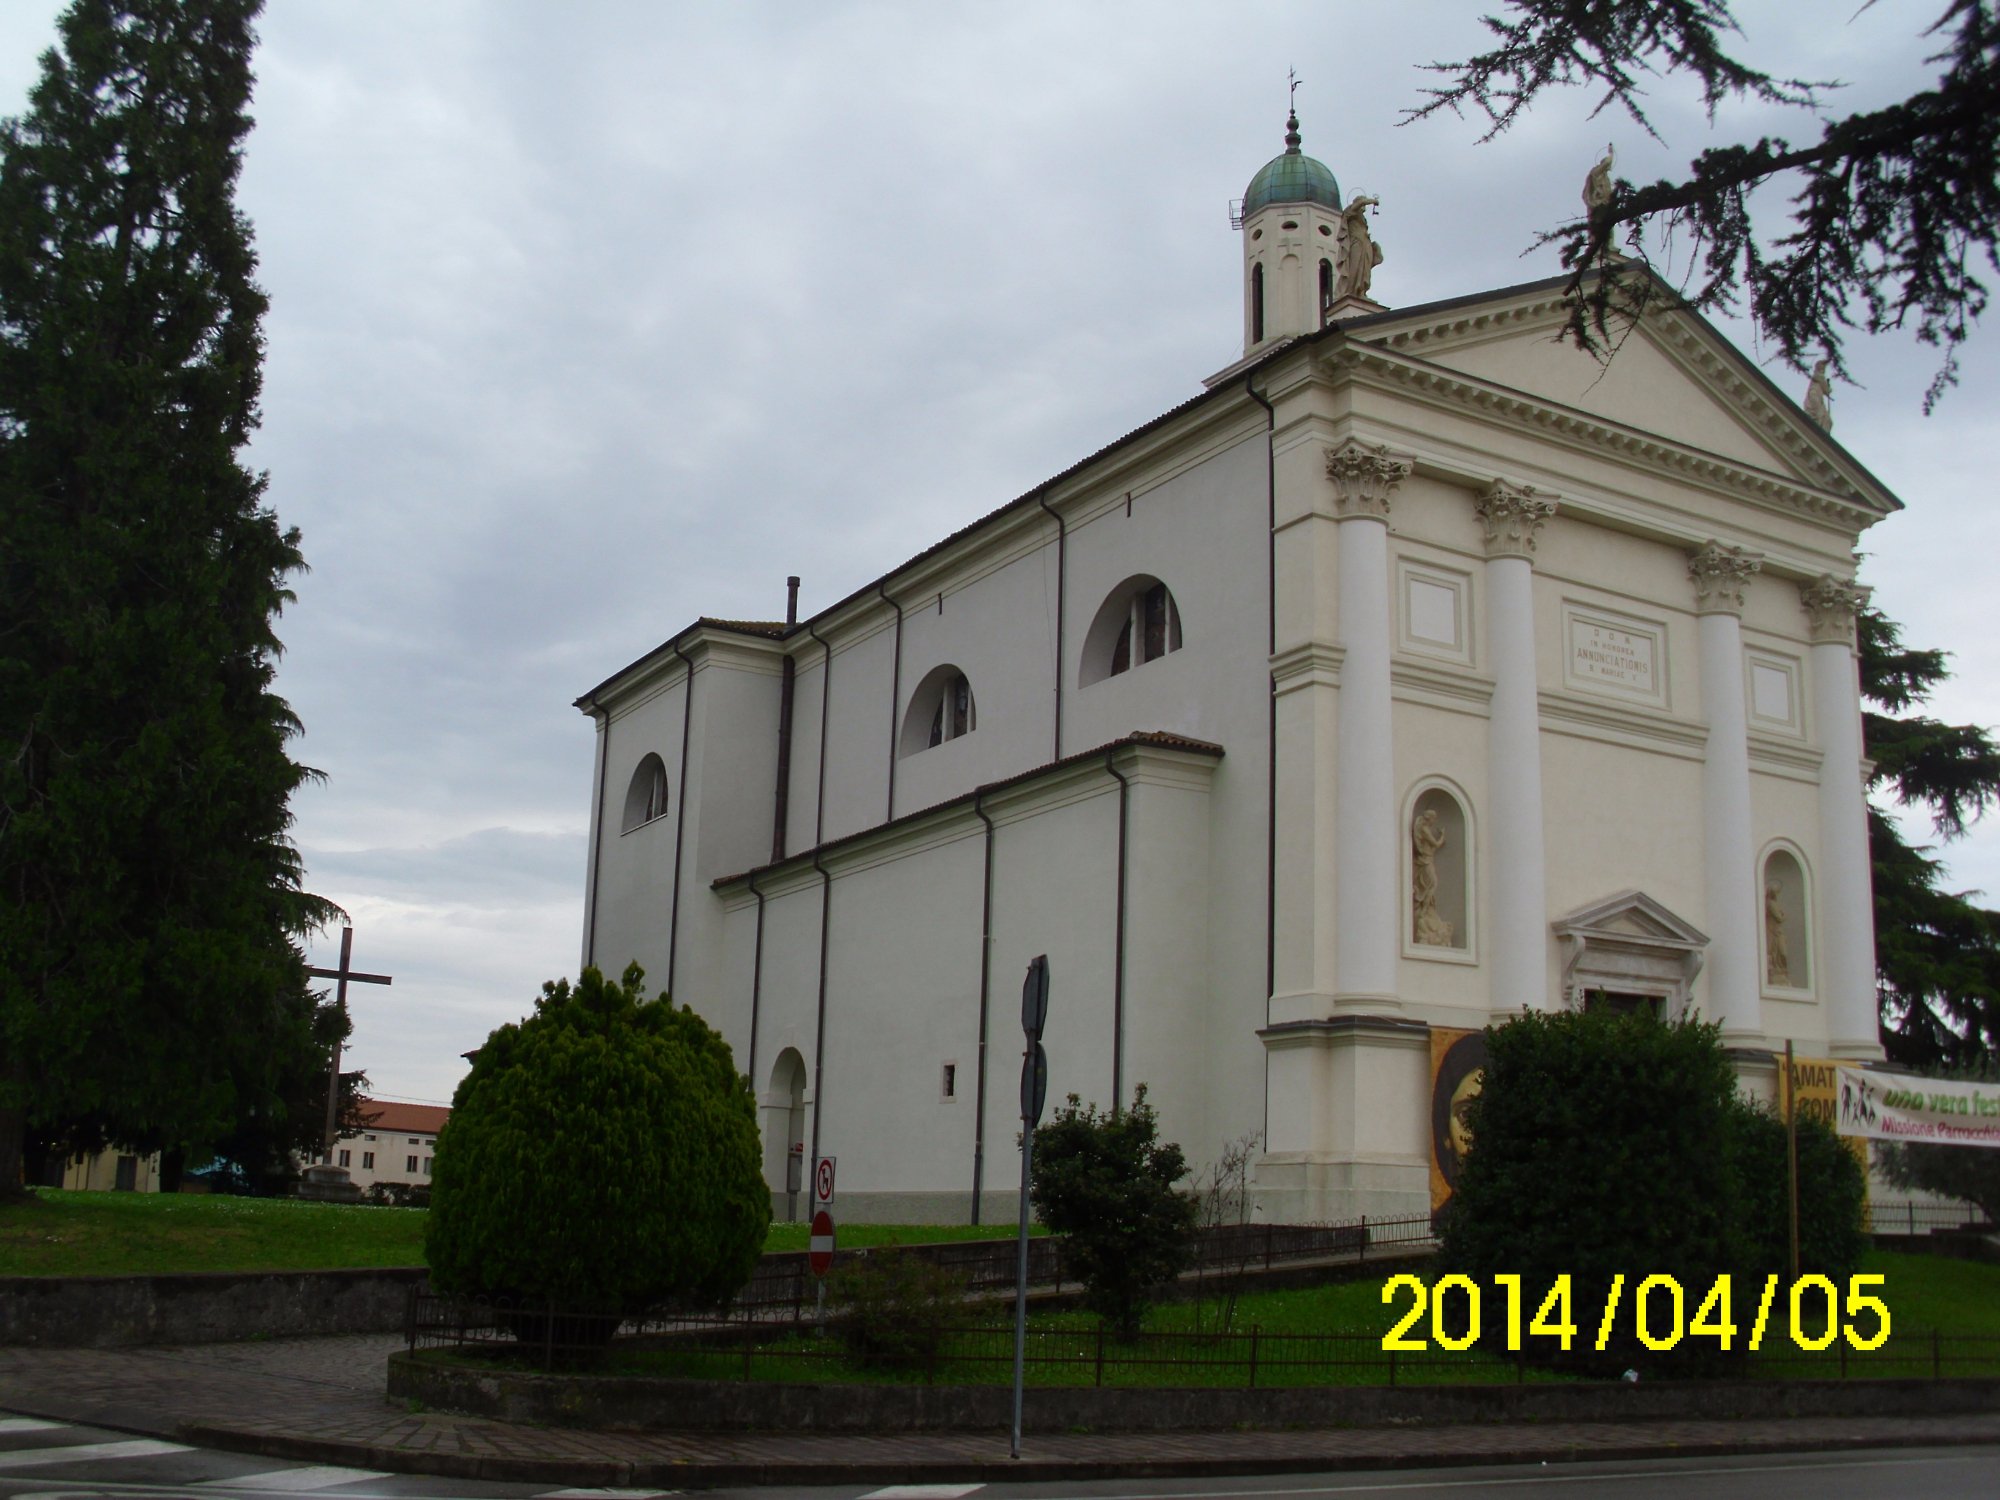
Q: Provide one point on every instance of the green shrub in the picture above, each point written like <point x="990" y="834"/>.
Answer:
<point x="1832" y="1192"/>
<point x="1599" y="1149"/>
<point x="892" y="1308"/>
<point x="601" y="1156"/>
<point x="1106" y="1183"/>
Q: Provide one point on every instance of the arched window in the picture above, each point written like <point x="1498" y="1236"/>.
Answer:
<point x="1257" y="303"/>
<point x="1325" y="287"/>
<point x="941" y="709"/>
<point x="1137" y="623"/>
<point x="1438" y="915"/>
<point x="1787" y="940"/>
<point x="646" y="796"/>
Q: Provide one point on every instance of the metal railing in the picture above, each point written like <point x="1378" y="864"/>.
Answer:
<point x="1924" y="1218"/>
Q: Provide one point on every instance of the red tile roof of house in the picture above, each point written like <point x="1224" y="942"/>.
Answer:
<point x="410" y="1119"/>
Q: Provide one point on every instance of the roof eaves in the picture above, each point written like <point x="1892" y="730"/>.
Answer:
<point x="1158" y="739"/>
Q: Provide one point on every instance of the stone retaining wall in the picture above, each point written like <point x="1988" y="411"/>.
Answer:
<point x="596" y="1401"/>
<point x="102" y="1312"/>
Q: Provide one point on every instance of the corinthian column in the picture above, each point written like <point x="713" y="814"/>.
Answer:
<point x="1846" y="916"/>
<point x="1367" y="872"/>
<point x="1720" y="575"/>
<point x="1512" y="515"/>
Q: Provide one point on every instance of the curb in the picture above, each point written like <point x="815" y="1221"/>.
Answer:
<point x="720" y="1473"/>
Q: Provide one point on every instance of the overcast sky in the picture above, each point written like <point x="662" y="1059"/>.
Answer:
<point x="587" y="319"/>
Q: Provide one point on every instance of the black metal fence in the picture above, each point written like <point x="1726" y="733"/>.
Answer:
<point x="1082" y="1354"/>
<point x="1924" y="1218"/>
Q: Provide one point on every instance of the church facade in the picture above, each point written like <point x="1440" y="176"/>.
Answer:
<point x="1420" y="672"/>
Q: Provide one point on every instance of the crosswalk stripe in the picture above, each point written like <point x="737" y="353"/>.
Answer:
<point x="921" y="1491"/>
<point x="27" y="1424"/>
<point x="296" y="1481"/>
<point x="83" y="1453"/>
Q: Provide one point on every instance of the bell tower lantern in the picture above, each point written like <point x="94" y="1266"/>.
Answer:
<point x="1291" y="222"/>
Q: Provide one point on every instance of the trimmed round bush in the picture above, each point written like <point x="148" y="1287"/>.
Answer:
<point x="601" y="1156"/>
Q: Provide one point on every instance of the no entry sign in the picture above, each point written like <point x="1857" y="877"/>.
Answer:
<point x="819" y="1250"/>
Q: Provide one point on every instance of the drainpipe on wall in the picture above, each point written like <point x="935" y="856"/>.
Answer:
<point x="895" y="696"/>
<point x="1271" y="728"/>
<point x="985" y="989"/>
<point x="756" y="984"/>
<point x="603" y="717"/>
<point x="1062" y="603"/>
<point x="680" y="823"/>
<point x="825" y="698"/>
<point x="781" y="802"/>
<point x="819" y="1025"/>
<point x="1118" y="963"/>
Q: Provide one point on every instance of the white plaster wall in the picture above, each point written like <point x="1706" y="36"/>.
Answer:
<point x="636" y="868"/>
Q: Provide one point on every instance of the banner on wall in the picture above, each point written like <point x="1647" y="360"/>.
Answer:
<point x="1905" y="1107"/>
<point x="1458" y="1072"/>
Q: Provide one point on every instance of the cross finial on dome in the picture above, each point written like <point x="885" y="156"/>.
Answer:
<point x="1292" y="137"/>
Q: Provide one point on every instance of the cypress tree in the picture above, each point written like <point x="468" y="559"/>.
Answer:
<point x="151" y="988"/>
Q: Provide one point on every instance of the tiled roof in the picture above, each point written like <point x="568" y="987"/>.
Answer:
<point x="385" y="1116"/>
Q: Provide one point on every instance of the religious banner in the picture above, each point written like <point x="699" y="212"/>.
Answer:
<point x="1818" y="1083"/>
<point x="1905" y="1107"/>
<point x="1458" y="1072"/>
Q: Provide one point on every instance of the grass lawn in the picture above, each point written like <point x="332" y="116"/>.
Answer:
<point x="55" y="1233"/>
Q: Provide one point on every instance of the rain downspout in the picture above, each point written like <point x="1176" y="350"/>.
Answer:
<point x="603" y="717"/>
<point x="1118" y="968"/>
<point x="1271" y="728"/>
<point x="985" y="989"/>
<point x="781" y="808"/>
<point x="895" y="696"/>
<point x="756" y="980"/>
<point x="680" y="823"/>
<point x="1062" y="601"/>
<point x="826" y="886"/>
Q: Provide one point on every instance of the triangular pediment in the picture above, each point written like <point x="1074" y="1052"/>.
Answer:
<point x="1672" y="375"/>
<point x="1630" y="915"/>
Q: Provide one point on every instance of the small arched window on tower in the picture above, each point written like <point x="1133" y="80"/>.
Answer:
<point x="941" y="709"/>
<point x="1257" y="304"/>
<point x="1325" y="289"/>
<point x="646" y="795"/>
<point x="1137" y="623"/>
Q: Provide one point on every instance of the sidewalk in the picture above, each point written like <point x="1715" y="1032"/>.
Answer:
<point x="321" y="1401"/>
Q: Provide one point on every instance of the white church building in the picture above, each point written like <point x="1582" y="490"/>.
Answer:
<point x="1420" y="671"/>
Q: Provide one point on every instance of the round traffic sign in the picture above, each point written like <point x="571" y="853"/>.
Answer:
<point x="819" y="1251"/>
<point x="823" y="1180"/>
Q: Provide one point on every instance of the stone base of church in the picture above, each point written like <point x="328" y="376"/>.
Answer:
<point x="1306" y="1188"/>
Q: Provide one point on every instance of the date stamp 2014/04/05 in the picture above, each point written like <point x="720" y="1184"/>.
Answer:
<point x="1658" y="1308"/>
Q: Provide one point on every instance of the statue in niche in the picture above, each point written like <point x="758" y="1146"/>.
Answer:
<point x="1359" y="254"/>
<point x="1777" y="961"/>
<point x="1426" y="839"/>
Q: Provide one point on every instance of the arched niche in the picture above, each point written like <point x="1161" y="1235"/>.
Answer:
<point x="1438" y="860"/>
<point x="783" y="1109"/>
<point x="1138" y="622"/>
<point x="941" y="709"/>
<point x="646" y="793"/>
<point x="1785" y="926"/>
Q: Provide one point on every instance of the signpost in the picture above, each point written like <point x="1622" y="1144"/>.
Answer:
<point x="819" y="1249"/>
<point x="823" y="1183"/>
<point x="1034" y="1094"/>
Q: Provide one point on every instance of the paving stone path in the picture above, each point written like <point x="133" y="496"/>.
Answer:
<point x="321" y="1401"/>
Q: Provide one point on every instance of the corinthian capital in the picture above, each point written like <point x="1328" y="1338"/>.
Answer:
<point x="1512" y="514"/>
<point x="1720" y="575"/>
<point x="1831" y="604"/>
<point x="1364" y="478"/>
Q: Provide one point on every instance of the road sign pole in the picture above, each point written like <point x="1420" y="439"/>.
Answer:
<point x="1021" y="1283"/>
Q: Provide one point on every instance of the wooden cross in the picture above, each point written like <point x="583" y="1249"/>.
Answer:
<point x="341" y="975"/>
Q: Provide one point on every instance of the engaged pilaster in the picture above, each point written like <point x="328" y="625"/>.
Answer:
<point x="1367" y="881"/>
<point x="1721" y="574"/>
<point x="1512" y="515"/>
<point x="1847" y="905"/>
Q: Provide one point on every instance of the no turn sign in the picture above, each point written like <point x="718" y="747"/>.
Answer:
<point x="819" y="1249"/>
<point x="823" y="1182"/>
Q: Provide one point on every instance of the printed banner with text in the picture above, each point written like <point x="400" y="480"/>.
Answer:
<point x="1904" y="1107"/>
